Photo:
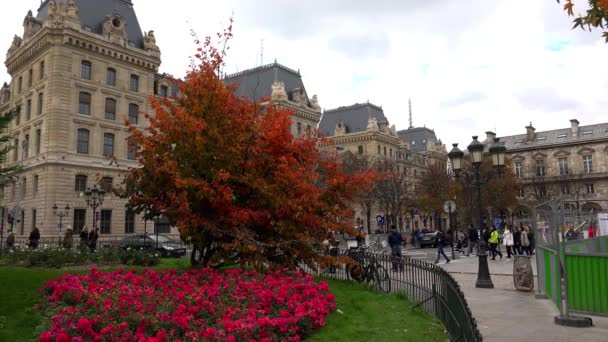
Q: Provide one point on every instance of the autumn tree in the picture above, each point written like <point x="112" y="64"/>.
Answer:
<point x="436" y="186"/>
<point x="596" y="15"/>
<point x="367" y="198"/>
<point x="392" y="190"/>
<point x="230" y="175"/>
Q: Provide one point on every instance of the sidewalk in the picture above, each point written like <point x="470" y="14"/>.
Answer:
<point x="504" y="314"/>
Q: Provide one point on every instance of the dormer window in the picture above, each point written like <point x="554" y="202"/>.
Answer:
<point x="116" y="22"/>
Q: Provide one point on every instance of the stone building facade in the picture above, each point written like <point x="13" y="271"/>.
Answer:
<point x="571" y="163"/>
<point x="363" y="130"/>
<point x="80" y="69"/>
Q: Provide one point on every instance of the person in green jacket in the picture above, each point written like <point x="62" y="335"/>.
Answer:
<point x="494" y="243"/>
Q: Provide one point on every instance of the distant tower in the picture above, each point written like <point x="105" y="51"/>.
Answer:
<point x="409" y="101"/>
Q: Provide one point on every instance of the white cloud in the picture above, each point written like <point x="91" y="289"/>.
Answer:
<point x="469" y="66"/>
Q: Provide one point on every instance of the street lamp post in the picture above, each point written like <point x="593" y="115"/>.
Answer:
<point x="94" y="198"/>
<point x="61" y="214"/>
<point x="497" y="153"/>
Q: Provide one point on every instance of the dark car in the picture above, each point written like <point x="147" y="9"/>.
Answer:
<point x="428" y="239"/>
<point x="165" y="246"/>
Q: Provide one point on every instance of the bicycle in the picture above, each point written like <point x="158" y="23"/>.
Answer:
<point x="366" y="268"/>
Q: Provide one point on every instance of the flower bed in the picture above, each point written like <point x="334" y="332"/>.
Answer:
<point x="196" y="305"/>
<point x="72" y="257"/>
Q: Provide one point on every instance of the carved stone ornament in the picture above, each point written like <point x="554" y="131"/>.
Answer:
<point x="278" y="92"/>
<point x="372" y="124"/>
<point x="52" y="9"/>
<point x="340" y="128"/>
<point x="114" y="26"/>
<point x="72" y="10"/>
<point x="314" y="102"/>
<point x="299" y="96"/>
<point x="17" y="41"/>
<point x="150" y="41"/>
<point x="393" y="131"/>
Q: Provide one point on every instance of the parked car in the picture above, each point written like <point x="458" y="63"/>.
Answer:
<point x="165" y="246"/>
<point x="428" y="239"/>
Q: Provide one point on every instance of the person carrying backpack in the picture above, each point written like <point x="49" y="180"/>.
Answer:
<point x="441" y="241"/>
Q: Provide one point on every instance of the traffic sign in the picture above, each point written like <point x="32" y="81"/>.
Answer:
<point x="449" y="207"/>
<point x="380" y="220"/>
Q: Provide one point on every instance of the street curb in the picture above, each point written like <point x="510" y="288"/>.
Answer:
<point x="492" y="274"/>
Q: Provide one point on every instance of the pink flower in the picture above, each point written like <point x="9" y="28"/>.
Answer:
<point x="45" y="337"/>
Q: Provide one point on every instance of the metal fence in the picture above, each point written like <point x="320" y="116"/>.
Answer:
<point x="427" y="285"/>
<point x="23" y="243"/>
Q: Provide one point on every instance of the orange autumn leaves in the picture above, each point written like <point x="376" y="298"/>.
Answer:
<point x="230" y="175"/>
<point x="596" y="15"/>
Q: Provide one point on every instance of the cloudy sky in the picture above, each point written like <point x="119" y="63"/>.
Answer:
<point x="469" y="66"/>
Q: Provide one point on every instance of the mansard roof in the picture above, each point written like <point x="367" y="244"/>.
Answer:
<point x="418" y="137"/>
<point x="355" y="117"/>
<point x="256" y="83"/>
<point x="92" y="14"/>
<point x="562" y="136"/>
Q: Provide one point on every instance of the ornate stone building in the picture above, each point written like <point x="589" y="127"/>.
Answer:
<point x="79" y="70"/>
<point x="364" y="130"/>
<point x="571" y="162"/>
<point x="284" y="87"/>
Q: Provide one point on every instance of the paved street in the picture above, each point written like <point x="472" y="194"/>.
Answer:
<point x="504" y="314"/>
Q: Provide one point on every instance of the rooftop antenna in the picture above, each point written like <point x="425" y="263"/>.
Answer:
<point x="261" y="51"/>
<point x="409" y="102"/>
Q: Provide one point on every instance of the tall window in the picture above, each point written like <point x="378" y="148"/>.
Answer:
<point x="82" y="142"/>
<point x="40" y="103"/>
<point x="565" y="189"/>
<point x="519" y="169"/>
<point x="23" y="187"/>
<point x="41" y="75"/>
<point x="38" y="140"/>
<point x="30" y="78"/>
<point x="84" y="103"/>
<point x="111" y="77"/>
<point x="131" y="149"/>
<point x="108" y="144"/>
<point x="540" y="168"/>
<point x="26" y="146"/>
<point x="563" y="166"/>
<point x="28" y="109"/>
<point x="20" y="85"/>
<point x="162" y="226"/>
<point x="379" y="149"/>
<point x="106" y="183"/>
<point x="16" y="155"/>
<point x="85" y="70"/>
<point x="164" y="91"/>
<point x="129" y="222"/>
<point x="133" y="113"/>
<point x="542" y="191"/>
<point x="385" y="150"/>
<point x="360" y="149"/>
<point x="18" y="118"/>
<point x="110" y="109"/>
<point x="299" y="129"/>
<point x="79" y="219"/>
<point x="390" y="152"/>
<point x="587" y="164"/>
<point x="134" y="84"/>
<point x="35" y="190"/>
<point x="80" y="184"/>
<point x="106" y="222"/>
<point x="590" y="188"/>
<point x="33" y="218"/>
<point x="521" y="192"/>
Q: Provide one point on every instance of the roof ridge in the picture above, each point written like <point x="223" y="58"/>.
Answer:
<point x="356" y="105"/>
<point x="557" y="130"/>
<point x="263" y="67"/>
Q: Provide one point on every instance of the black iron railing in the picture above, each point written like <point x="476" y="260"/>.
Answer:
<point x="23" y="243"/>
<point x="426" y="285"/>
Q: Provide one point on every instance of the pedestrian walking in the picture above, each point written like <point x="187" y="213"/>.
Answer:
<point x="84" y="239"/>
<point x="493" y="240"/>
<point x="517" y="241"/>
<point x="507" y="239"/>
<point x="395" y="239"/>
<point x="10" y="240"/>
<point x="34" y="238"/>
<point x="93" y="236"/>
<point x="415" y="238"/>
<point x="525" y="242"/>
<point x="473" y="240"/>
<point x="334" y="250"/>
<point x="68" y="239"/>
<point x="441" y="240"/>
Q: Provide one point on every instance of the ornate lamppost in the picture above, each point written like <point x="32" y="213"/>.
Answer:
<point x="61" y="214"/>
<point x="497" y="153"/>
<point x="94" y="198"/>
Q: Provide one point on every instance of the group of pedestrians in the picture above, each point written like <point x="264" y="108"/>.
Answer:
<point x="517" y="241"/>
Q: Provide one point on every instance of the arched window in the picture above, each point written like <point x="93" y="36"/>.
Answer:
<point x="85" y="70"/>
<point x="299" y="129"/>
<point x="80" y="183"/>
<point x="84" y="103"/>
<point x="108" y="144"/>
<point x="133" y="113"/>
<point x="110" y="109"/>
<point x="82" y="141"/>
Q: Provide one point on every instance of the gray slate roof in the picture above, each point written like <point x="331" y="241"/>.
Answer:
<point x="93" y="12"/>
<point x="256" y="83"/>
<point x="418" y="137"/>
<point x="355" y="118"/>
<point x="557" y="137"/>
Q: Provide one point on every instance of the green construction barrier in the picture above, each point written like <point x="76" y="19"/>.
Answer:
<point x="587" y="280"/>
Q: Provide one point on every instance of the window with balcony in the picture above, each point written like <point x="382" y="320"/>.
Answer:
<point x="587" y="164"/>
<point x="540" y="168"/>
<point x="563" y="166"/>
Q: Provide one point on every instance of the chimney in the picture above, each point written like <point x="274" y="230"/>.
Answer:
<point x="530" y="132"/>
<point x="574" y="125"/>
<point x="490" y="136"/>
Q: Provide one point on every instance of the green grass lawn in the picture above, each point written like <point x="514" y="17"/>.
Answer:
<point x="366" y="316"/>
